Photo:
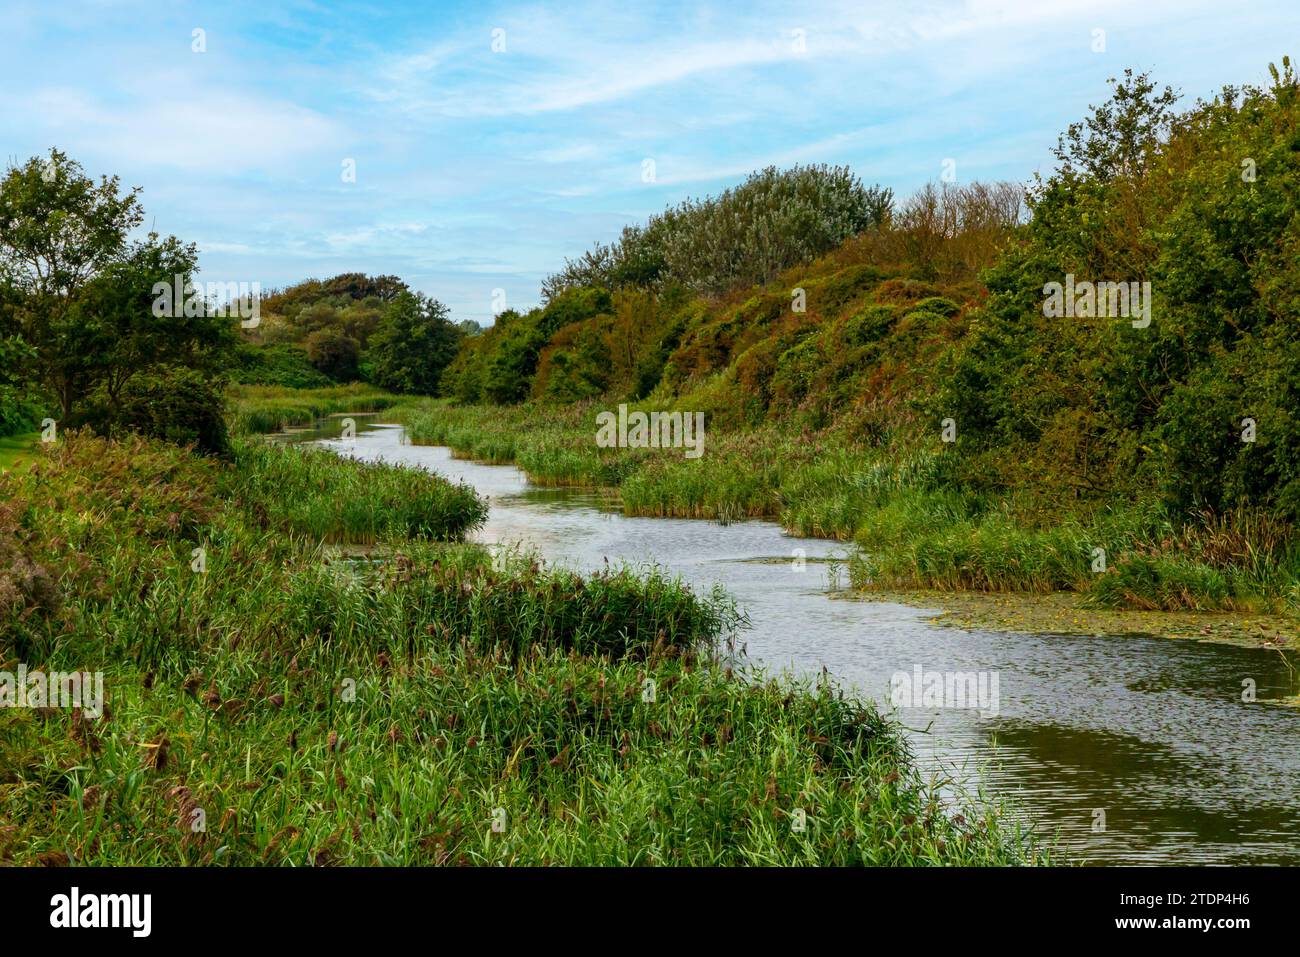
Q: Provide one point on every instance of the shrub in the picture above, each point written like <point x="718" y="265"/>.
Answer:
<point x="333" y="353"/>
<point x="744" y="236"/>
<point x="414" y="343"/>
<point x="282" y="365"/>
<point x="19" y="409"/>
<point x="176" y="404"/>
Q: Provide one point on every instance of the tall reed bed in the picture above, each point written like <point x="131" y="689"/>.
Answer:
<point x="319" y="494"/>
<point x="453" y="758"/>
<point x="738" y="475"/>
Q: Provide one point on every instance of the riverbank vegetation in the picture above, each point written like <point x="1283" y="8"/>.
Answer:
<point x="274" y="699"/>
<point x="304" y="662"/>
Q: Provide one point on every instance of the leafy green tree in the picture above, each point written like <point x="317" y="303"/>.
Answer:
<point x="122" y="335"/>
<point x="517" y="343"/>
<point x="18" y="408"/>
<point x="1198" y="406"/>
<point x="414" y="342"/>
<point x="58" y="230"/>
<point x="83" y="294"/>
<point x="463" y="378"/>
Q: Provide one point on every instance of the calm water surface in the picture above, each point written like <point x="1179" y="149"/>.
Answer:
<point x="1153" y="732"/>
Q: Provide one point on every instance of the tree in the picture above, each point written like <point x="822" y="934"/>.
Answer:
<point x="516" y="345"/>
<point x="359" y="286"/>
<point x="58" y="229"/>
<point x="17" y="410"/>
<point x="83" y="295"/>
<point x="414" y="342"/>
<point x="1197" y="403"/>
<point x="746" y="235"/>
<point x="122" y="335"/>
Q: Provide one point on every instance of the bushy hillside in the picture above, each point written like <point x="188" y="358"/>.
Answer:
<point x="350" y="328"/>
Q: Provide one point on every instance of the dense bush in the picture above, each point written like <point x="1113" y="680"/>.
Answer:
<point x="1201" y="205"/>
<point x="412" y="345"/>
<point x="282" y="365"/>
<point x="20" y="410"/>
<point x="175" y="404"/>
<point x="333" y="353"/>
<point x="745" y="235"/>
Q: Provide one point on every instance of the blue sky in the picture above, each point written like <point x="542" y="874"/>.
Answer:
<point x="481" y="169"/>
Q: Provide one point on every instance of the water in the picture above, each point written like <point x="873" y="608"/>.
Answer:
<point x="1149" y="731"/>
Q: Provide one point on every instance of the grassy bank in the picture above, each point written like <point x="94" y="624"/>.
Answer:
<point x="271" y="700"/>
<point x="270" y="408"/>
<point x="304" y="491"/>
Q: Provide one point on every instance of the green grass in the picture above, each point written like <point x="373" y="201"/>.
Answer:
<point x="412" y="769"/>
<point x="738" y="476"/>
<point x="16" y="449"/>
<point x="329" y="703"/>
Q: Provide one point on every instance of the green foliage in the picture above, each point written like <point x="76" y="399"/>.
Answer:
<point x="746" y="235"/>
<point x="315" y="492"/>
<point x="272" y="408"/>
<point x="413" y="344"/>
<point x="17" y="449"/>
<point x="478" y="684"/>
<point x="82" y="296"/>
<point x="281" y="365"/>
<point x="510" y="357"/>
<point x="579" y="368"/>
<point x="177" y="404"/>
<point x="571" y="306"/>
<point x="343" y="287"/>
<point x="1100" y="408"/>
<point x="330" y="320"/>
<point x="649" y="370"/>
<point x="795" y="369"/>
<point x="463" y="377"/>
<point x="499" y="364"/>
<point x="20" y="411"/>
<point x="334" y="353"/>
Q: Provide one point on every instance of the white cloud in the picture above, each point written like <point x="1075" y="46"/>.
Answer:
<point x="205" y="132"/>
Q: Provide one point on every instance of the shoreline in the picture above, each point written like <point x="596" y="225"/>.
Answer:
<point x="1068" y="613"/>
